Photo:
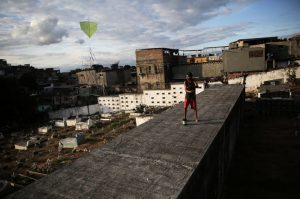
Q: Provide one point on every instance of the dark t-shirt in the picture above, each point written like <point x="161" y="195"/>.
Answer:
<point x="191" y="86"/>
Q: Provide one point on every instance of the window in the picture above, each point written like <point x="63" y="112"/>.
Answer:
<point x="163" y="102"/>
<point x="174" y="92"/>
<point x="122" y="105"/>
<point x="136" y="102"/>
<point x="169" y="93"/>
<point x="169" y="102"/>
<point x="113" y="107"/>
<point x="117" y="107"/>
<point x="122" y="101"/>
<point x="131" y="101"/>
<point x="126" y="105"/>
<point x="174" y="97"/>
<point x="146" y="93"/>
<point x="157" y="93"/>
<point x="126" y="102"/>
<point x="126" y="97"/>
<point x="163" y="93"/>
<point x="180" y="92"/>
<point x="121" y="97"/>
<point x="174" y="88"/>
<point x="175" y="101"/>
<point x="157" y="102"/>
<point x="152" y="102"/>
<point x="103" y="100"/>
<point x="163" y="97"/>
<point x="152" y="97"/>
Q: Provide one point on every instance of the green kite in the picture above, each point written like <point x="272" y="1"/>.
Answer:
<point x="88" y="27"/>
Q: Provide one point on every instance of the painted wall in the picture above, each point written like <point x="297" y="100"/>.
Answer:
<point x="255" y="80"/>
<point x="244" y="59"/>
<point x="80" y="110"/>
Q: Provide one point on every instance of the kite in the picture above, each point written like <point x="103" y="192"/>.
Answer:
<point x="88" y="27"/>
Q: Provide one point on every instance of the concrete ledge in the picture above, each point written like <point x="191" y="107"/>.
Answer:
<point x="158" y="159"/>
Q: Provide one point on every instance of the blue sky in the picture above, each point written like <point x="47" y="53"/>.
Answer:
<point x="47" y="33"/>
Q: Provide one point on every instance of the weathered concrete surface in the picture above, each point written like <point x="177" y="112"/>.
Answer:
<point x="159" y="159"/>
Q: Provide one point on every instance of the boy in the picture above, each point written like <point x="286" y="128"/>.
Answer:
<point x="190" y="97"/>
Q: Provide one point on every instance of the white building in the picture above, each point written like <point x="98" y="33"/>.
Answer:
<point x="157" y="98"/>
<point x="129" y="101"/>
<point x="109" y="104"/>
<point x="167" y="97"/>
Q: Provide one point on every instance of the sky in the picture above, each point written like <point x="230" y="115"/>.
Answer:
<point x="46" y="33"/>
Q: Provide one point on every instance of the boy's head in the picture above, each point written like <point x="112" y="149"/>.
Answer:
<point x="189" y="75"/>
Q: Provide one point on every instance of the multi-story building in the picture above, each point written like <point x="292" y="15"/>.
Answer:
<point x="154" y="67"/>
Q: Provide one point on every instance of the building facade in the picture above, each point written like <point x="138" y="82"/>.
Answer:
<point x="244" y="60"/>
<point x="104" y="77"/>
<point x="154" y="67"/>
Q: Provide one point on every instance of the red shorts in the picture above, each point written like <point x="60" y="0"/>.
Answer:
<point x="192" y="102"/>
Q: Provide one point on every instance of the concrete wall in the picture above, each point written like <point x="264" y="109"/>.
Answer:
<point x="158" y="159"/>
<point x="180" y="71"/>
<point x="199" y="70"/>
<point x="255" y="80"/>
<point x="80" y="110"/>
<point x="212" y="69"/>
<point x="208" y="178"/>
<point x="244" y="59"/>
<point x="142" y="119"/>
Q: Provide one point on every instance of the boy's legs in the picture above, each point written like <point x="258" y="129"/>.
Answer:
<point x="194" y="106"/>
<point x="186" y="104"/>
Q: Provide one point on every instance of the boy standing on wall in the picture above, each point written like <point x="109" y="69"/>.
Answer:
<point x="190" y="97"/>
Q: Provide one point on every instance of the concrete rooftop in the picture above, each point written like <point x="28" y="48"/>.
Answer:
<point x="154" y="160"/>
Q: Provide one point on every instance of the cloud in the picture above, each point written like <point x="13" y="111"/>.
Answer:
<point x="123" y="26"/>
<point x="41" y="32"/>
<point x="79" y="41"/>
